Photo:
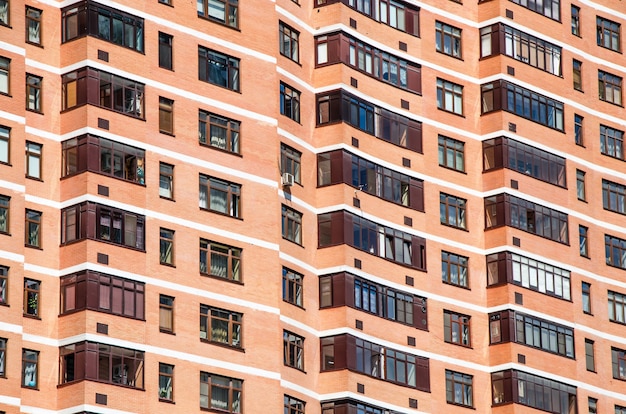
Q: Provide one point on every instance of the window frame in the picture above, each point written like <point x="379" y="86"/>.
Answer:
<point x="166" y="181"/>
<point x="5" y="217"/>
<point x="227" y="65"/>
<point x="577" y="74"/>
<point x="3" y="357"/>
<point x="553" y="12"/>
<point x="459" y="324"/>
<point x="34" y="93"/>
<point x="613" y="196"/>
<point x="5" y="145"/>
<point x="293" y="287"/>
<point x="231" y="127"/>
<point x="32" y="298"/>
<point x="452" y="211"/>
<point x="616" y="302"/>
<point x="465" y="382"/>
<point x="578" y="130"/>
<point x="618" y="363"/>
<point x="166" y="116"/>
<point x="290" y="102"/>
<point x="615" y="251"/>
<point x="450" y="151"/>
<point x="448" y="40"/>
<point x="291" y="161"/>
<point x="450" y="261"/>
<point x="293" y="350"/>
<point x="32" y="229"/>
<point x="34" y="154"/>
<point x="612" y="142"/>
<point x="233" y="387"/>
<point x="166" y="313"/>
<point x="4" y="285"/>
<point x="590" y="363"/>
<point x="6" y="13"/>
<point x="291" y="228"/>
<point x="450" y="97"/>
<point x="233" y="255"/>
<point x="609" y="84"/>
<point x="293" y="405"/>
<point x="166" y="246"/>
<point x="166" y="51"/>
<point x="234" y="326"/>
<point x="575" y="20"/>
<point x="34" y="26"/>
<point x="580" y="185"/>
<point x="5" y="73"/>
<point x="230" y="10"/>
<point x="30" y="358"/>
<point x="221" y="192"/>
<point x="586" y="297"/>
<point x="608" y="34"/>
<point x="166" y="376"/>
<point x="288" y="40"/>
<point x="583" y="240"/>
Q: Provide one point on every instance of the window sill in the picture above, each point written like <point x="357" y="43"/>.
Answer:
<point x="453" y="169"/>
<point x="166" y="198"/>
<point x="8" y="164"/>
<point x="36" y="317"/>
<point x="5" y="304"/>
<point x="171" y="134"/>
<point x="7" y="94"/>
<point x="296" y="368"/>
<point x="168" y="264"/>
<point x="294" y="242"/>
<point x="30" y="388"/>
<point x="30" y="177"/>
<point x="294" y="304"/>
<point x="33" y="44"/>
<point x="34" y="111"/>
<point x="455" y="227"/>
<point x="165" y="331"/>
<point x="207" y="18"/>
<point x="207" y="145"/>
<point x="220" y="213"/>
<point x="223" y="345"/>
<point x="457" y="114"/>
<point x="33" y="247"/>
<point x="166" y="401"/>
<point x="5" y="233"/>
<point x="452" y="56"/>
<point x="237" y="282"/>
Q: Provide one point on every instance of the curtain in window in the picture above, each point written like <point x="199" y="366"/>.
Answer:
<point x="219" y="265"/>
<point x="4" y="11"/>
<point x="219" y="397"/>
<point x="34" y="31"/>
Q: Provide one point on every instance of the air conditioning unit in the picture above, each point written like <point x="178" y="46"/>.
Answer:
<point x="288" y="179"/>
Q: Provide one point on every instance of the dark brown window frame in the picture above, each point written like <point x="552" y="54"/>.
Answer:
<point x="233" y="256"/>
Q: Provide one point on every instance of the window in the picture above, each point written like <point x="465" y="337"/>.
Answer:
<point x="166" y="180"/>
<point x="3" y="352"/>
<point x="583" y="241"/>
<point x="454" y="269"/>
<point x="593" y="405"/>
<point x="459" y="388"/>
<point x="614" y="196"/>
<point x="220" y="393"/>
<point x="542" y="334"/>
<point x="4" y="214"/>
<point x="220" y="196"/>
<point x="293" y="350"/>
<point x="578" y="129"/>
<point x="448" y="39"/>
<point x="221" y="11"/>
<point x="548" y="8"/>
<point x="508" y="153"/>
<point x="456" y="328"/>
<point x="96" y="154"/>
<point x="342" y="351"/>
<point x="33" y="25"/>
<point x="352" y="406"/>
<point x="221" y="326"/>
<point x="577" y="69"/>
<point x="507" y="267"/>
<point x="502" y="95"/>
<point x="166" y="60"/>
<point x="105" y="90"/>
<point x="527" y="216"/>
<point x="620" y="410"/>
<point x="580" y="185"/>
<point x="88" y="18"/>
<point x="586" y="297"/>
<point x="293" y="287"/>
<point x="617" y="307"/>
<point x="346" y="289"/>
<point x="451" y="153"/>
<point x="4" y="144"/>
<point x="293" y="405"/>
<point x="618" y="359"/>
<point x="30" y="369"/>
<point x="386" y="242"/>
<point x="401" y="16"/>
<point x="218" y="68"/>
<point x="290" y="161"/>
<point x="609" y="88"/>
<point x="343" y="48"/>
<point x="291" y="225"/>
<point x="452" y="210"/>
<point x="502" y="39"/>
<point x="289" y="102"/>
<point x="220" y="260"/>
<point x="527" y="389"/>
<point x="166" y="313"/>
<point x="608" y="34"/>
<point x="105" y="363"/>
<point x="166" y="115"/>
<point x="33" y="160"/>
<point x="166" y="246"/>
<point x="4" y="285"/>
<point x="111" y="225"/>
<point x="32" y="236"/>
<point x="222" y="133"/>
<point x="166" y="382"/>
<point x="449" y="96"/>
<point x="575" y="20"/>
<point x="589" y="356"/>
<point x="5" y="64"/>
<point x="374" y="179"/>
<point x="103" y="293"/>
<point x="615" y="251"/>
<point x="288" y="41"/>
<point x="612" y="142"/>
<point x="4" y="12"/>
<point x="340" y="106"/>
<point x="33" y="92"/>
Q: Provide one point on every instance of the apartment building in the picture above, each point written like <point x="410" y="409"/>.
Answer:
<point x="313" y="206"/>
